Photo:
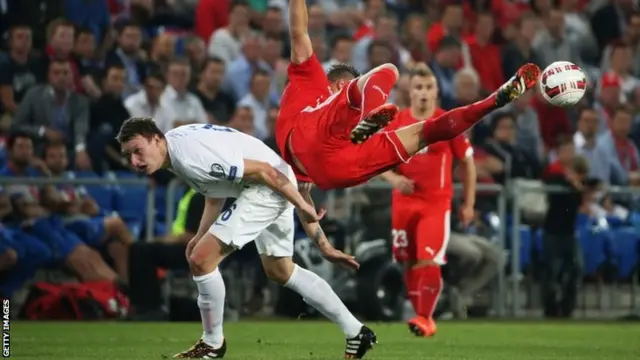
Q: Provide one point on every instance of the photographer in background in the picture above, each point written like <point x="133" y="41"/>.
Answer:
<point x="561" y="259"/>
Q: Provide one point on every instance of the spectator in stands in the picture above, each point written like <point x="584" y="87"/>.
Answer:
<point x="211" y="15"/>
<point x="54" y="112"/>
<point x="317" y="26"/>
<point x="32" y="218"/>
<point x="61" y="35"/>
<point x="379" y="53"/>
<point x="450" y="24"/>
<point x="196" y="51"/>
<point x="258" y="101"/>
<point x="18" y="71"/>
<point x="385" y="31"/>
<point x="577" y="27"/>
<point x="561" y="258"/>
<point x="621" y="153"/>
<point x="621" y="63"/>
<point x="503" y="146"/>
<point x="146" y="102"/>
<point x="372" y="10"/>
<point x="243" y="120"/>
<point x="163" y="50"/>
<point x="412" y="38"/>
<point x="272" y="56"/>
<point x="216" y="102"/>
<point x="585" y="141"/>
<point x="485" y="55"/>
<point x="239" y="72"/>
<point x="520" y="50"/>
<point x="226" y="43"/>
<point x="443" y="65"/>
<point x="528" y="135"/>
<point x="341" y="48"/>
<point x="82" y="215"/>
<point x="608" y="99"/>
<point x="273" y="23"/>
<point x="609" y="21"/>
<point x="127" y="54"/>
<point x="272" y="117"/>
<point x="466" y="87"/>
<point x="107" y="115"/>
<point x="93" y="14"/>
<point x="84" y="52"/>
<point x="186" y="107"/>
<point x="551" y="44"/>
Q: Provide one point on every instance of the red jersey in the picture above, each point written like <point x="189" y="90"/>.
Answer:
<point x="308" y="86"/>
<point x="431" y="168"/>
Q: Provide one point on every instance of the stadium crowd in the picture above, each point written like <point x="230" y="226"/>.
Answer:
<point x="73" y="70"/>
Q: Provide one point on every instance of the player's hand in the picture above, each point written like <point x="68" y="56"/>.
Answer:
<point x="308" y="214"/>
<point x="338" y="257"/>
<point x="466" y="214"/>
<point x="403" y="184"/>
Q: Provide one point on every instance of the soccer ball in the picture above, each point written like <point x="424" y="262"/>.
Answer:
<point x="563" y="84"/>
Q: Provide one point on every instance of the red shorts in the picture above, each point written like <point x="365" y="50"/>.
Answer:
<point x="420" y="230"/>
<point x="320" y="141"/>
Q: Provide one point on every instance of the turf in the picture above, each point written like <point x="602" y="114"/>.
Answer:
<point x="321" y="340"/>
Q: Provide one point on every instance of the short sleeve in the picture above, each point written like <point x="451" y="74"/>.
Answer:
<point x="221" y="161"/>
<point x="310" y="71"/>
<point x="461" y="147"/>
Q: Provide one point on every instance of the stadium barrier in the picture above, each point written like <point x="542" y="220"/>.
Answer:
<point x="116" y="182"/>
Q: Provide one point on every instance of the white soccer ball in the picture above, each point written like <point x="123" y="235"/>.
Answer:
<point x="563" y="84"/>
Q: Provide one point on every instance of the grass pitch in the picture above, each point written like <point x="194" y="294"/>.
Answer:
<point x="322" y="340"/>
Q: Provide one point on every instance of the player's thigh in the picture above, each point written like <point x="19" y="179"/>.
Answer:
<point x="252" y="213"/>
<point x="404" y="221"/>
<point x="376" y="155"/>
<point x="433" y="232"/>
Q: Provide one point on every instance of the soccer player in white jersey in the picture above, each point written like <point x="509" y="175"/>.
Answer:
<point x="220" y="162"/>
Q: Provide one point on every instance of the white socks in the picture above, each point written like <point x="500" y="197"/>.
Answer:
<point x="317" y="293"/>
<point x="211" y="303"/>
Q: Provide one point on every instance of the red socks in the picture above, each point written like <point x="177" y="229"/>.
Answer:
<point x="374" y="93"/>
<point x="455" y="122"/>
<point x="424" y="286"/>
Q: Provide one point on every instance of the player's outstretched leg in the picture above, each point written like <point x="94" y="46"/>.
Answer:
<point x="316" y="292"/>
<point x="371" y="95"/>
<point x="455" y="122"/>
<point x="203" y="257"/>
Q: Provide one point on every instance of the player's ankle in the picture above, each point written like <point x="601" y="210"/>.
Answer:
<point x="213" y="341"/>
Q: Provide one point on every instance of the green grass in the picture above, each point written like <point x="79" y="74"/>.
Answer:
<point x="321" y="340"/>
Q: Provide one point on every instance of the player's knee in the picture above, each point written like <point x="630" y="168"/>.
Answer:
<point x="278" y="270"/>
<point x="390" y="67"/>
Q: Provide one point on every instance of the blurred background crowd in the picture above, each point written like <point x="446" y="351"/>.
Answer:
<point x="72" y="71"/>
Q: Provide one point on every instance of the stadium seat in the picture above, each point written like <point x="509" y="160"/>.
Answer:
<point x="626" y="251"/>
<point x="596" y="248"/>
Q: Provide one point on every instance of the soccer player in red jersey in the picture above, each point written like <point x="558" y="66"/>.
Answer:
<point x="421" y="203"/>
<point x="328" y="125"/>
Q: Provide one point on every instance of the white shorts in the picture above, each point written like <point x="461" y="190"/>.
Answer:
<point x="258" y="214"/>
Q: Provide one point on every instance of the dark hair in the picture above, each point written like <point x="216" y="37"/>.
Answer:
<point x="121" y="27"/>
<point x="15" y="135"/>
<point x="212" y="60"/>
<point x="143" y="126"/>
<point x="563" y="140"/>
<point x="83" y="30"/>
<point x="580" y="165"/>
<point x="583" y="110"/>
<point x="157" y="76"/>
<point x="259" y="72"/>
<point x="499" y="117"/>
<point x="238" y="3"/>
<point x="182" y="61"/>
<point x="378" y="43"/>
<point x="622" y="109"/>
<point x="58" y="62"/>
<point x="339" y="38"/>
<point x="52" y="144"/>
<point x="342" y="71"/>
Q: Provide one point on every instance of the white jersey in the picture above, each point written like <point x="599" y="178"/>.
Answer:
<point x="210" y="159"/>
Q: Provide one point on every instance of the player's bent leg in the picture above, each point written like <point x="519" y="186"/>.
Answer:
<point x="455" y="122"/>
<point x="204" y="255"/>
<point x="316" y="292"/>
<point x="370" y="95"/>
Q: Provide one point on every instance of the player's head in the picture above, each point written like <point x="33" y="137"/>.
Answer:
<point x="143" y="144"/>
<point x="423" y="88"/>
<point x="340" y="74"/>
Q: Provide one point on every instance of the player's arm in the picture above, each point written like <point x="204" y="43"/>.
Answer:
<point x="313" y="230"/>
<point x="277" y="181"/>
<point x="470" y="181"/>
<point x="209" y="215"/>
<point x="398" y="181"/>
<point x="301" y="48"/>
